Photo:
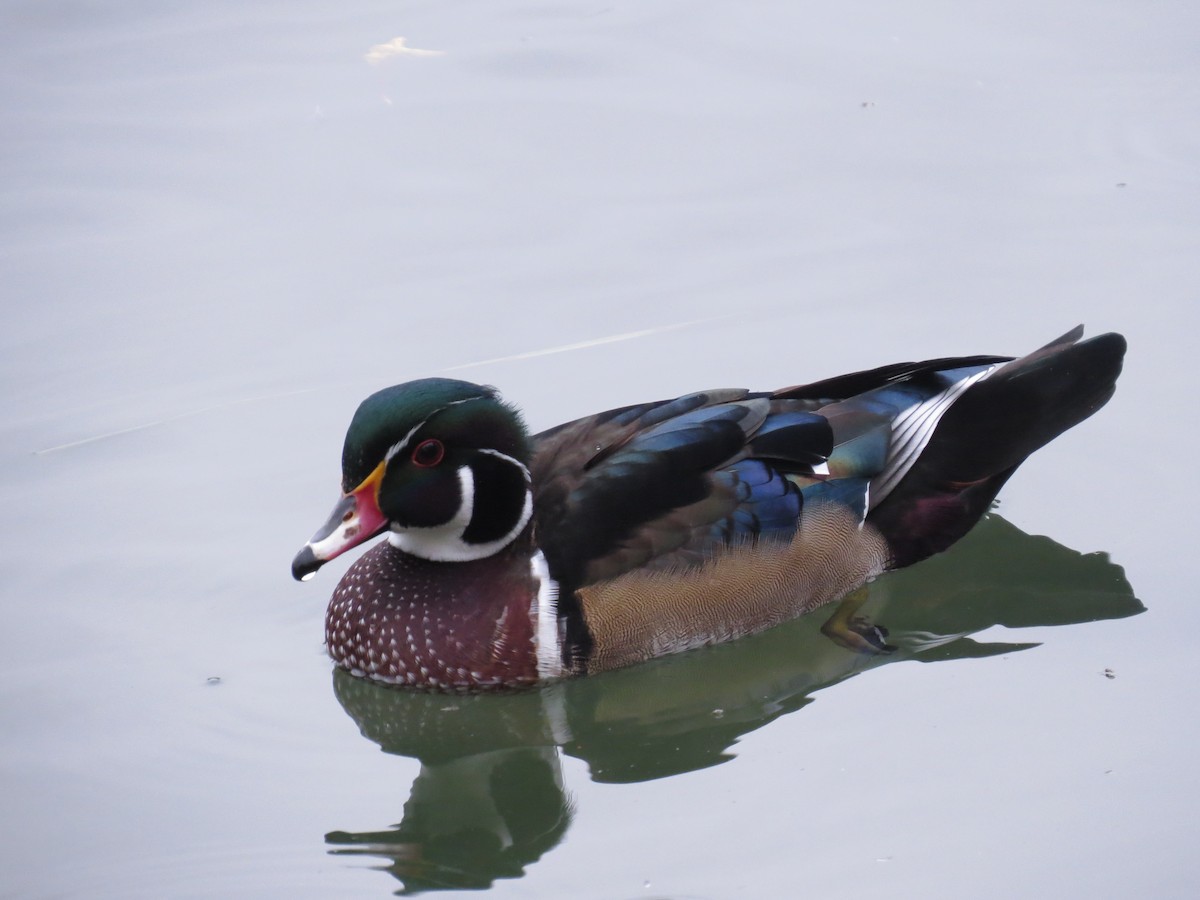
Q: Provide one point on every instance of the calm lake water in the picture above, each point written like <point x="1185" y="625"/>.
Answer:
<point x="224" y="224"/>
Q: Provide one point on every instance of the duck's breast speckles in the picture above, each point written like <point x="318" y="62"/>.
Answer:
<point x="402" y="620"/>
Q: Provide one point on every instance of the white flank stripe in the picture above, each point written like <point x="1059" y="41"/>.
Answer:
<point x="545" y="617"/>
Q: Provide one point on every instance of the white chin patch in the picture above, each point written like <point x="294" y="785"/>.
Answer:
<point x="444" y="543"/>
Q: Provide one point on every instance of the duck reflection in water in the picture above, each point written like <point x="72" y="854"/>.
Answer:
<point x="490" y="801"/>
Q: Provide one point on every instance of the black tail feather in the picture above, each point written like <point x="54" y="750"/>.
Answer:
<point x="988" y="432"/>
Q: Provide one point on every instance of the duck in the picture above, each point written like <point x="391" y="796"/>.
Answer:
<point x="511" y="559"/>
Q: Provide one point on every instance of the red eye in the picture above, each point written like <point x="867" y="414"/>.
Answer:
<point x="428" y="453"/>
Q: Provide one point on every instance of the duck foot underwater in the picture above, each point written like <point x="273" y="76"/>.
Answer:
<point x="660" y="527"/>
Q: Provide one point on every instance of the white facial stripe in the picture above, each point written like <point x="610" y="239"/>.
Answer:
<point x="547" y="640"/>
<point x="444" y="543"/>
<point x="403" y="442"/>
<point x="441" y="543"/>
<point x="507" y="458"/>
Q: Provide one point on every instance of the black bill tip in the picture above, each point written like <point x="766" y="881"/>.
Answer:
<point x="305" y="565"/>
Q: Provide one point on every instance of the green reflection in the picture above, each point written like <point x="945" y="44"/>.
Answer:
<point x="489" y="799"/>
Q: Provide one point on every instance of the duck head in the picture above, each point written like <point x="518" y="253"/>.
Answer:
<point x="441" y="465"/>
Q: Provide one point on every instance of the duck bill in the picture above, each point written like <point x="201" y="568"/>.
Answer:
<point x="355" y="518"/>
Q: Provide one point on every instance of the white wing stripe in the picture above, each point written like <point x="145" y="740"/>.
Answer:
<point x="912" y="430"/>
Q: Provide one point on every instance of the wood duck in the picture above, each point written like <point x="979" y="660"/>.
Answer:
<point x="661" y="527"/>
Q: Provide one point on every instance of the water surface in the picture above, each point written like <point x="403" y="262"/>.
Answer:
<point x="223" y="226"/>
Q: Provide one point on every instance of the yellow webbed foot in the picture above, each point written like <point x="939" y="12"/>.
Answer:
<point x="848" y="628"/>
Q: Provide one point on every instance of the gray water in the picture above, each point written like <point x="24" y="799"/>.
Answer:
<point x="223" y="225"/>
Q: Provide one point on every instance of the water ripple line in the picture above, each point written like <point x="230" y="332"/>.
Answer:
<point x="260" y="398"/>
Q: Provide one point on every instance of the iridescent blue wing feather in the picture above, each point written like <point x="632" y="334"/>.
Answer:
<point x="918" y="449"/>
<point x="662" y="486"/>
